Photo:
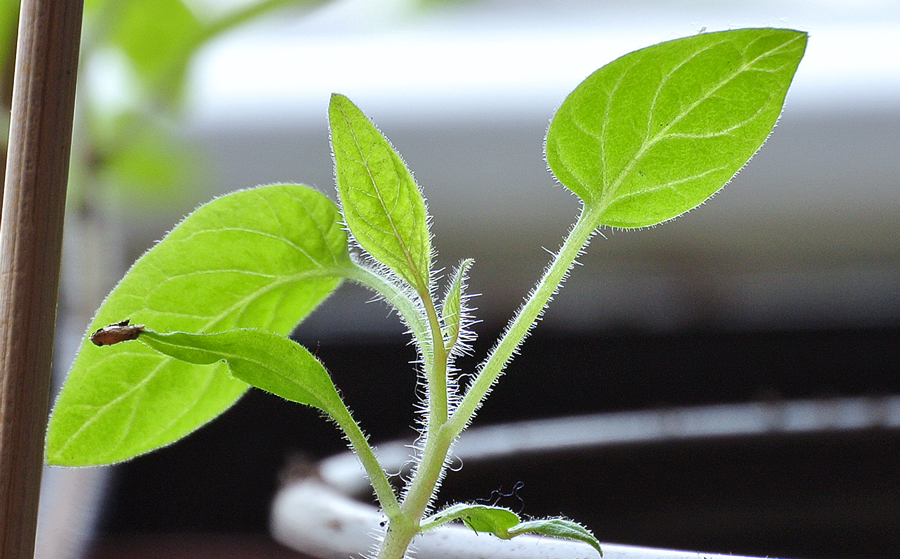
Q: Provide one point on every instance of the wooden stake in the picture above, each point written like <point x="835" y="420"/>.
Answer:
<point x="30" y="246"/>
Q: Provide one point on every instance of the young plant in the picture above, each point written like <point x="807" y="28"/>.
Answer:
<point x="645" y="138"/>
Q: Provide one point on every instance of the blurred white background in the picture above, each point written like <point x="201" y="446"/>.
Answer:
<point x="805" y="236"/>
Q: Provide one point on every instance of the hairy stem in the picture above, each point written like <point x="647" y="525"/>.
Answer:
<point x="425" y="326"/>
<point x="397" y="538"/>
<point x="421" y="491"/>
<point x="440" y="435"/>
<point x="435" y="369"/>
<point x="430" y="464"/>
<point x="523" y="322"/>
<point x="426" y="329"/>
<point x="399" y="299"/>
<point x="377" y="477"/>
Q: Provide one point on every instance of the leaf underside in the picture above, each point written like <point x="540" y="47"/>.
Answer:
<point x="266" y="360"/>
<point x="260" y="258"/>
<point x="658" y="131"/>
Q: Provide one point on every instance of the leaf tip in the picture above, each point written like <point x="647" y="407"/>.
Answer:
<point x="339" y="101"/>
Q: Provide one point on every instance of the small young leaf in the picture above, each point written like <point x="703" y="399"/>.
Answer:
<point x="452" y="308"/>
<point x="260" y="258"/>
<point x="559" y="528"/>
<point x="656" y="132"/>
<point x="262" y="359"/>
<point x="505" y="524"/>
<point x="481" y="518"/>
<point x="381" y="202"/>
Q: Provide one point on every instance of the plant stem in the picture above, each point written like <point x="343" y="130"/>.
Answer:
<point x="405" y="525"/>
<point x="524" y="321"/>
<point x="440" y="435"/>
<point x="421" y="490"/>
<point x="427" y="335"/>
<point x="248" y="13"/>
<point x="377" y="477"/>
<point x="397" y="298"/>
<point x="435" y="368"/>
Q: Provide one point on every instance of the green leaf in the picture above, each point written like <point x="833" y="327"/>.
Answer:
<point x="481" y="518"/>
<point x="158" y="36"/>
<point x="452" y="309"/>
<point x="381" y="202"/>
<point x="146" y="162"/>
<point x="559" y="528"/>
<point x="261" y="258"/>
<point x="656" y="132"/>
<point x="505" y="524"/>
<point x="9" y="19"/>
<point x="262" y="359"/>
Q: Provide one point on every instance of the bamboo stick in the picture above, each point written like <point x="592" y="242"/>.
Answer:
<point x="30" y="246"/>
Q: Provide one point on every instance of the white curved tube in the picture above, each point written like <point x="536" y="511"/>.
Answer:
<point x="317" y="516"/>
<point x="314" y="518"/>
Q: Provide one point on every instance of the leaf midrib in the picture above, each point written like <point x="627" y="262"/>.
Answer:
<point x="407" y="253"/>
<point x="610" y="195"/>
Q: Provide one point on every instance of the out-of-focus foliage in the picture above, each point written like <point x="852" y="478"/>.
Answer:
<point x="9" y="17"/>
<point x="125" y="144"/>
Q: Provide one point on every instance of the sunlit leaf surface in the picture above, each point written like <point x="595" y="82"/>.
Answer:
<point x="261" y="258"/>
<point x="656" y="132"/>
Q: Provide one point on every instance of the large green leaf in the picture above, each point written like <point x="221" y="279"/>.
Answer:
<point x="261" y="258"/>
<point x="656" y="132"/>
<point x="381" y="202"/>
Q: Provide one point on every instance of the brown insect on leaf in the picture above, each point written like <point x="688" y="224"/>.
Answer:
<point x="116" y="332"/>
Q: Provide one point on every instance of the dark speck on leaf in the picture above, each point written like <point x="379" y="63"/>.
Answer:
<point x="116" y="332"/>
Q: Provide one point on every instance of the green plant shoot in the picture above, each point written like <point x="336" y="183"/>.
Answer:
<point x="642" y="140"/>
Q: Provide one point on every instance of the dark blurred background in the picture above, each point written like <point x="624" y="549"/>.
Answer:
<point x="785" y="496"/>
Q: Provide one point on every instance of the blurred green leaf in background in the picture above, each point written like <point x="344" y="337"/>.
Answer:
<point x="129" y="151"/>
